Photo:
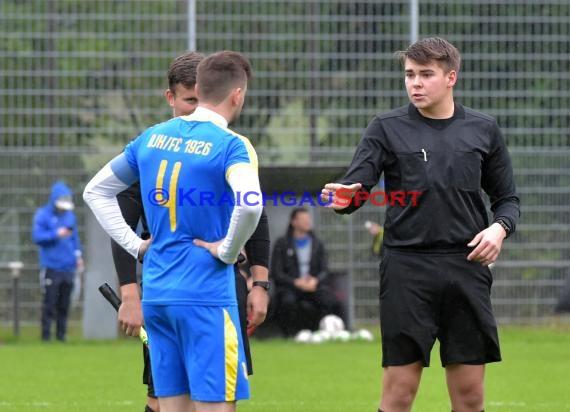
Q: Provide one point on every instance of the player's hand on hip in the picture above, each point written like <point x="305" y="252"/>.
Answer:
<point x="487" y="245"/>
<point x="337" y="196"/>
<point x="130" y="315"/>
<point x="257" y="303"/>
<point x="211" y="247"/>
<point x="144" y="248"/>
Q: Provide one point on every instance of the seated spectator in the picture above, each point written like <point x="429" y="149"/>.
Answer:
<point x="299" y="269"/>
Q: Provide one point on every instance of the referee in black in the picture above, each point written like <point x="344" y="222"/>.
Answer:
<point x="437" y="157"/>
<point x="182" y="97"/>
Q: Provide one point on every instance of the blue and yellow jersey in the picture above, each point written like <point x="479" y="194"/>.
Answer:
<point x="182" y="166"/>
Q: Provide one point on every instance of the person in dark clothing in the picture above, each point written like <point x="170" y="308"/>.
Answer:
<point x="183" y="99"/>
<point x="563" y="304"/>
<point x="299" y="269"/>
<point x="437" y="157"/>
<point x="55" y="232"/>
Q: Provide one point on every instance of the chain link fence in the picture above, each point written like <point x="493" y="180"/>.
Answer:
<point x="80" y="78"/>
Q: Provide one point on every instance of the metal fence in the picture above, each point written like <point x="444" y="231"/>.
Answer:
<point x="79" y="78"/>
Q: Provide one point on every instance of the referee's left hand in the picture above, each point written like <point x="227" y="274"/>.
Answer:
<point x="487" y="244"/>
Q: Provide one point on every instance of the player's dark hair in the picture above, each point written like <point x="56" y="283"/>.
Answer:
<point x="221" y="72"/>
<point x="182" y="70"/>
<point x="432" y="49"/>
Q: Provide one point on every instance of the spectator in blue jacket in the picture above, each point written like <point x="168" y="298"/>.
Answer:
<point x="55" y="232"/>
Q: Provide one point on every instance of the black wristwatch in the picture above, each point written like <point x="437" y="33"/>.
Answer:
<point x="262" y="284"/>
<point x="504" y="226"/>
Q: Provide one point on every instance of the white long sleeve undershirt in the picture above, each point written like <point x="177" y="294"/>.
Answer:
<point x="245" y="217"/>
<point x="100" y="194"/>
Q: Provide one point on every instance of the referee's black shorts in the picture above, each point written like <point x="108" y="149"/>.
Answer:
<point x="430" y="295"/>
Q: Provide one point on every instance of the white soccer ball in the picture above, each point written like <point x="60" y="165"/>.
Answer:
<point x="319" y="337"/>
<point x="325" y="335"/>
<point x="303" y="336"/>
<point x="342" y="336"/>
<point x="363" y="334"/>
<point x="331" y="324"/>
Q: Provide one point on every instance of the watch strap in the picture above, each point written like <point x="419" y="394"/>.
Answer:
<point x="265" y="284"/>
<point x="504" y="226"/>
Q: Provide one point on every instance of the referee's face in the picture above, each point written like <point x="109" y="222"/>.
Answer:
<point x="430" y="88"/>
<point x="182" y="100"/>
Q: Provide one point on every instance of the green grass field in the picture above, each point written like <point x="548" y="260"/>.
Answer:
<point x="332" y="377"/>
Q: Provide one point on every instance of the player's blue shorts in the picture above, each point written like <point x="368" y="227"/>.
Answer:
<point x="197" y="350"/>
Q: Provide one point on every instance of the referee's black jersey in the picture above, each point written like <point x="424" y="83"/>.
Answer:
<point x="449" y="161"/>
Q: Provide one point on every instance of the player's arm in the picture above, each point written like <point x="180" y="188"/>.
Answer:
<point x="240" y="167"/>
<point x="130" y="311"/>
<point x="131" y="209"/>
<point x="100" y="195"/>
<point x="362" y="175"/>
<point x="242" y="178"/>
<point x="258" y="245"/>
<point x="257" y="251"/>
<point x="498" y="182"/>
<point x="245" y="217"/>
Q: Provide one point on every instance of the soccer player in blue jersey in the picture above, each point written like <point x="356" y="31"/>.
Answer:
<point x="189" y="303"/>
<point x="252" y="305"/>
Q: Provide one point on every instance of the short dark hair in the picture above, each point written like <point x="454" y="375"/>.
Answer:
<point x="182" y="70"/>
<point x="221" y="72"/>
<point x="432" y="49"/>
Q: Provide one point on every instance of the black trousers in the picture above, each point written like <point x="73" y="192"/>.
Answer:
<point x="298" y="310"/>
<point x="57" y="287"/>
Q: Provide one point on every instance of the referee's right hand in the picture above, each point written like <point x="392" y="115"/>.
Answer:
<point x="337" y="196"/>
<point x="130" y="312"/>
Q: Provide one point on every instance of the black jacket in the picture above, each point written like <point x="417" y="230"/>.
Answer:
<point x="285" y="264"/>
<point x="450" y="161"/>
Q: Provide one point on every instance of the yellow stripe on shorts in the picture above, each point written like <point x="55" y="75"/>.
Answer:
<point x="231" y="356"/>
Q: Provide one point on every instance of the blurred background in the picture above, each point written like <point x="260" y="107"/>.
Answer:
<point x="80" y="78"/>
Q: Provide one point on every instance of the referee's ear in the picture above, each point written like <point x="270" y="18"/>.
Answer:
<point x="451" y="78"/>
<point x="169" y="96"/>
